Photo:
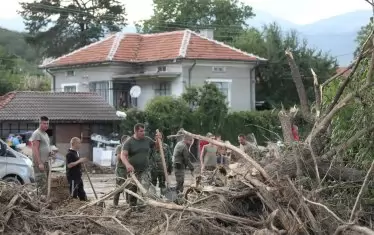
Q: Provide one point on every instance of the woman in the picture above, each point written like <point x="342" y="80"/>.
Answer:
<point x="208" y="156"/>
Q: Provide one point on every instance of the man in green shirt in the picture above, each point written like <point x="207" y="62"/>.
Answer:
<point x="135" y="157"/>
<point x="181" y="158"/>
<point x="120" y="169"/>
<point x="41" y="151"/>
<point x="157" y="169"/>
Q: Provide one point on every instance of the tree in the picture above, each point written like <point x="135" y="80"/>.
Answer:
<point x="9" y="74"/>
<point x="61" y="26"/>
<point x="274" y="78"/>
<point x="226" y="17"/>
<point x="167" y="113"/>
<point x="209" y="107"/>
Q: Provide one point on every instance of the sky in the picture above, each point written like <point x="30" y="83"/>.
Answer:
<point x="295" y="11"/>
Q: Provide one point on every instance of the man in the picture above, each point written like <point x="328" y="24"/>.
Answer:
<point x="135" y="157"/>
<point x="40" y="152"/>
<point x="157" y="168"/>
<point x="181" y="158"/>
<point x="120" y="169"/>
<point x="74" y="170"/>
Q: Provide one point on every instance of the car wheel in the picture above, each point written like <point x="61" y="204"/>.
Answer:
<point x="12" y="179"/>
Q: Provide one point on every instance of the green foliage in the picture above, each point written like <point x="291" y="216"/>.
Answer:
<point x="226" y="17"/>
<point x="15" y="75"/>
<point x="264" y="125"/>
<point x="62" y="26"/>
<point x="201" y="110"/>
<point x="275" y="81"/>
<point x="15" y="44"/>
<point x="133" y="116"/>
<point x="167" y="113"/>
<point x="209" y="105"/>
<point x="357" y="115"/>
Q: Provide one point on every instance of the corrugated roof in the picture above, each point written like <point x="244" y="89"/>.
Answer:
<point x="131" y="47"/>
<point x="57" y="106"/>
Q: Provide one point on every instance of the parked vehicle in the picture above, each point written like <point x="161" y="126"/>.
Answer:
<point x="15" y="166"/>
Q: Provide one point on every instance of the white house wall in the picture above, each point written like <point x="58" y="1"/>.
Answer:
<point x="83" y="76"/>
<point x="242" y="86"/>
<point x="147" y="94"/>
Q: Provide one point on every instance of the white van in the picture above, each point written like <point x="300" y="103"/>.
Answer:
<point x="15" y="166"/>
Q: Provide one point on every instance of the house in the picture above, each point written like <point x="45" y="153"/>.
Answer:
<point x="346" y="71"/>
<point x="71" y="115"/>
<point x="161" y="64"/>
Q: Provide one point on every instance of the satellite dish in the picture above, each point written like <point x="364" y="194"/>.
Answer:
<point x="135" y="91"/>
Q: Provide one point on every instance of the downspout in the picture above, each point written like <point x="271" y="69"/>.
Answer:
<point x="189" y="73"/>
<point x="53" y="80"/>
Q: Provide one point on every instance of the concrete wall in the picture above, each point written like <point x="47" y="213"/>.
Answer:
<point x="240" y="75"/>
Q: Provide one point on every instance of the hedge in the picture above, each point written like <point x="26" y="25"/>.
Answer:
<point x="263" y="124"/>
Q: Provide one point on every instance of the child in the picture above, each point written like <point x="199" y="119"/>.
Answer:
<point x="73" y="170"/>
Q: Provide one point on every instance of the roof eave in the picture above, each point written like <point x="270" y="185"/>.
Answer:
<point x="90" y="64"/>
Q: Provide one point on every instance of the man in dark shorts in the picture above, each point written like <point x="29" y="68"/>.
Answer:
<point x="135" y="157"/>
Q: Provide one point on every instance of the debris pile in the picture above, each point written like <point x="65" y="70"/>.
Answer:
<point x="94" y="168"/>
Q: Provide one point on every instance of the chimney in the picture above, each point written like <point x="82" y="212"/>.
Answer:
<point x="208" y="33"/>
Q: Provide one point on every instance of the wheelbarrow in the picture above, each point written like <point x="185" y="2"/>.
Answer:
<point x="170" y="192"/>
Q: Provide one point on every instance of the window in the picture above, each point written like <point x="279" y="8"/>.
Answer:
<point x="101" y="88"/>
<point x="164" y="89"/>
<point x="70" y="73"/>
<point x="216" y="69"/>
<point x="224" y="85"/>
<point x="72" y="87"/>
<point x="161" y="69"/>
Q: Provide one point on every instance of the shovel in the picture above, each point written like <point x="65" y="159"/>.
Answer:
<point x="49" y="179"/>
<point x="170" y="193"/>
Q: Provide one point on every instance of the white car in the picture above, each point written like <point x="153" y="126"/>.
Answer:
<point x="15" y="166"/>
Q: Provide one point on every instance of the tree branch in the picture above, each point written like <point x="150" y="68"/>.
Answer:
<point x="233" y="148"/>
<point x="363" y="188"/>
<point x="296" y="76"/>
<point x="317" y="93"/>
<point x="347" y="143"/>
<point x="348" y="79"/>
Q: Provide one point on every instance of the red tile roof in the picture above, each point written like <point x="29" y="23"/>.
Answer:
<point x="57" y="106"/>
<point x="342" y="69"/>
<point x="132" y="47"/>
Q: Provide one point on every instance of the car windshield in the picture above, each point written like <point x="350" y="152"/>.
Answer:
<point x="2" y="143"/>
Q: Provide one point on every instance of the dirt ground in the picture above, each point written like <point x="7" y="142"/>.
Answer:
<point x="105" y="183"/>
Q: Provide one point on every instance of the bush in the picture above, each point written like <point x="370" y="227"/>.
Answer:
<point x="263" y="124"/>
<point x="201" y="110"/>
<point x="168" y="114"/>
